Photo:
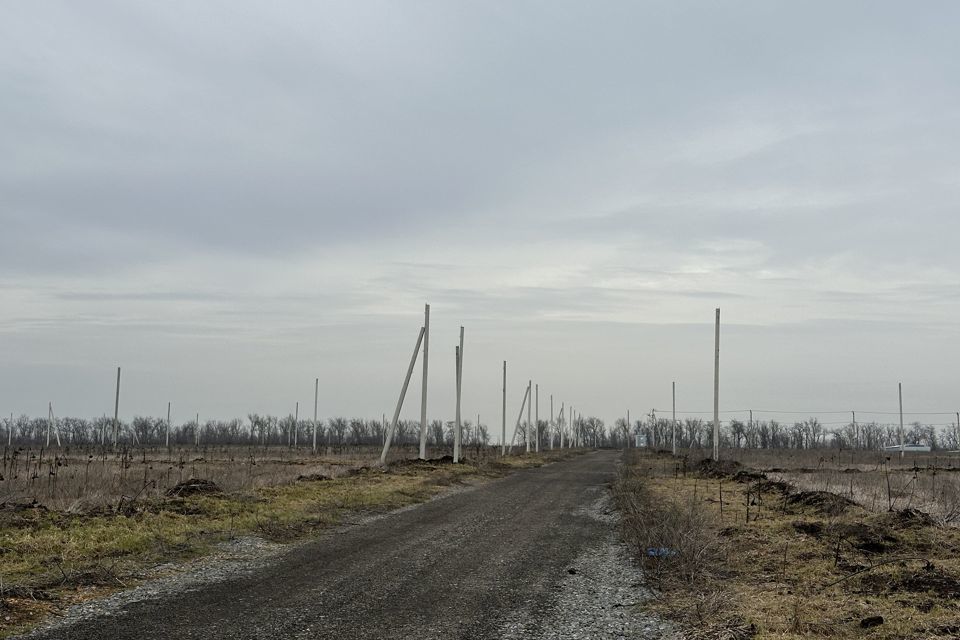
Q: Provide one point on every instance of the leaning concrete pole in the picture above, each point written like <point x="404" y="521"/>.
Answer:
<point x="529" y="411"/>
<point x="316" y="401"/>
<point x="503" y="425"/>
<point x="116" y="411"/>
<point x="403" y="393"/>
<point x="900" y="391"/>
<point x="674" y="425"/>
<point x="716" y="390"/>
<point x="423" y="390"/>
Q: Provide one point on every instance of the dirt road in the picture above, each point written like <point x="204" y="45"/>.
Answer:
<point x="469" y="565"/>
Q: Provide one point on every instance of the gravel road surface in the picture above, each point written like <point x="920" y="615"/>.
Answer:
<point x="532" y="555"/>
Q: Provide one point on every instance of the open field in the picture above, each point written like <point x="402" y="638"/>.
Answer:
<point x="57" y="548"/>
<point x="737" y="553"/>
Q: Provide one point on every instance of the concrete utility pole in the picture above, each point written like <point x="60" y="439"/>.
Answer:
<point x="674" y="430"/>
<point x="716" y="391"/>
<point x="856" y="430"/>
<point x="423" y="390"/>
<point x="116" y="411"/>
<point x="561" y="423"/>
<point x="900" y="391"/>
<point x="529" y="411"/>
<point x="503" y="427"/>
<point x="168" y="426"/>
<point x="296" y="425"/>
<point x="316" y="401"/>
<point x="536" y="420"/>
<point x="403" y="394"/>
<point x="552" y="425"/>
<point x="49" y="421"/>
<point x="457" y="436"/>
<point x="456" y="424"/>
<point x="197" y="434"/>
<point x="10" y="431"/>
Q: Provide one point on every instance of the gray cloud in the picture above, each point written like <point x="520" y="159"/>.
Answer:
<point x="232" y="195"/>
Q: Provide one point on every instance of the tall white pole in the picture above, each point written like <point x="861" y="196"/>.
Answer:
<point x="503" y="426"/>
<point x="552" y="425"/>
<point x="168" y="426"/>
<point x="536" y="420"/>
<point x="116" y="411"/>
<point x="456" y="425"/>
<point x="457" y="437"/>
<point x="316" y="402"/>
<point x="423" y="390"/>
<point x="674" y="428"/>
<point x="627" y="434"/>
<point x="49" y="422"/>
<point x="900" y="391"/>
<point x="529" y="411"/>
<point x="197" y="434"/>
<point x="561" y="423"/>
<point x="403" y="393"/>
<point x="716" y="391"/>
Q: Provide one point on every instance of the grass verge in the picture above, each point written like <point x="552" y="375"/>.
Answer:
<point x="733" y="554"/>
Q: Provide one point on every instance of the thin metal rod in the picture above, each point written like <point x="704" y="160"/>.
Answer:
<point x="403" y="393"/>
<point x="552" y="424"/>
<point x="716" y="391"/>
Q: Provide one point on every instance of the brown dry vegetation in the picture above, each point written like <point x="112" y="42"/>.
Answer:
<point x="59" y="549"/>
<point x="749" y="555"/>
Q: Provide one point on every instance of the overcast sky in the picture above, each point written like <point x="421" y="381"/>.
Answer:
<point x="231" y="198"/>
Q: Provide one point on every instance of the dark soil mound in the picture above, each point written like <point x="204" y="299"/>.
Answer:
<point x="313" y="477"/>
<point x="194" y="486"/>
<point x="814" y="529"/>
<point x="710" y="468"/>
<point x="934" y="580"/>
<point x="910" y="519"/>
<point x="823" y="502"/>
<point x="748" y="475"/>
<point x="867" y="538"/>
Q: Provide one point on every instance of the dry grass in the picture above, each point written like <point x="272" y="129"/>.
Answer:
<point x="51" y="557"/>
<point x="776" y="561"/>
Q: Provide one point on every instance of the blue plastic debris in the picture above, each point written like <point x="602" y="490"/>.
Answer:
<point x="661" y="552"/>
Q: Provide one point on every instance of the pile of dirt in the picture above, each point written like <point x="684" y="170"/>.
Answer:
<point x="866" y="538"/>
<point x="910" y="519"/>
<point x="933" y="580"/>
<point x="17" y="507"/>
<point x="314" y="477"/>
<point x="710" y="468"/>
<point x="749" y="475"/>
<point x="822" y="502"/>
<point x="194" y="486"/>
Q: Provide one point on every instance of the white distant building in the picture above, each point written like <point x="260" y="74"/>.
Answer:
<point x="909" y="448"/>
